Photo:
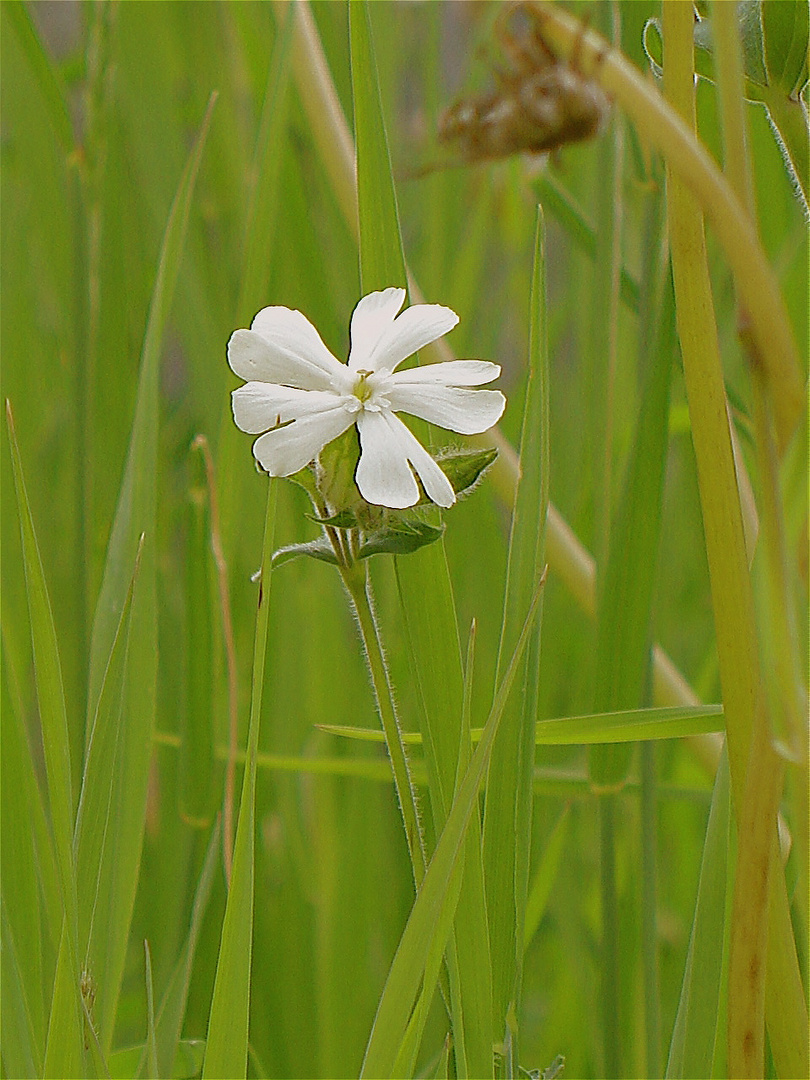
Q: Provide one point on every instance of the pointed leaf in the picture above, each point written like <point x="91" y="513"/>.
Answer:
<point x="135" y="517"/>
<point x="402" y="538"/>
<point x="508" y="807"/>
<point x="430" y="920"/>
<point x="698" y="1035"/>
<point x="226" y="1049"/>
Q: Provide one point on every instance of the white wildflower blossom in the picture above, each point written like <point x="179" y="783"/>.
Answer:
<point x="298" y="397"/>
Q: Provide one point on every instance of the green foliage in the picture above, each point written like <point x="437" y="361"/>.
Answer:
<point x="290" y="930"/>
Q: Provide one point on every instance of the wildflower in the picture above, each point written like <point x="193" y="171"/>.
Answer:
<point x="298" y="397"/>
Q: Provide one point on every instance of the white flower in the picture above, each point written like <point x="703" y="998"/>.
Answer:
<point x="301" y="397"/>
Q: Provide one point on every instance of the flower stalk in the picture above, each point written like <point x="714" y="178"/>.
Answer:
<point x="356" y="580"/>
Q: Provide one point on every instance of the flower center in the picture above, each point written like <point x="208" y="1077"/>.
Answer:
<point x="362" y="391"/>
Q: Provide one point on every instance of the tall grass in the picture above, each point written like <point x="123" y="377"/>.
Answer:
<point x="204" y="864"/>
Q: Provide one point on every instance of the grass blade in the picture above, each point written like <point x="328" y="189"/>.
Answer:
<point x="624" y="630"/>
<point x="627" y="725"/>
<point x="173" y="1005"/>
<point x="64" y="1048"/>
<point x="226" y="1049"/>
<point x="151" y="1042"/>
<point x="430" y="919"/>
<point x="432" y="628"/>
<point x="381" y="260"/>
<point x="23" y="1038"/>
<point x="508" y="806"/>
<point x="135" y="517"/>
<point x="698" y="1035"/>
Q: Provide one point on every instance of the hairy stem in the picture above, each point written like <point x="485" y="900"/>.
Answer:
<point x="355" y="578"/>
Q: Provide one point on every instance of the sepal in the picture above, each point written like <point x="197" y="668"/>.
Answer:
<point x="319" y="549"/>
<point x="400" y="538"/>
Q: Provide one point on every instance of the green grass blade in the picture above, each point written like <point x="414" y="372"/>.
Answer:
<point x="50" y="692"/>
<point x="53" y="95"/>
<point x="432" y="628"/>
<point x="64" y="1046"/>
<point x="198" y="786"/>
<point x="262" y="209"/>
<point x="508" y="806"/>
<point x="173" y="1005"/>
<point x="259" y="231"/>
<point x="431" y="916"/>
<point x="433" y="644"/>
<point x="381" y="260"/>
<point x="98" y="816"/>
<point x="631" y="725"/>
<point x="699" y="1030"/>
<point x="135" y="513"/>
<point x="135" y="517"/>
<point x="23" y="1040"/>
<point x="627" y="725"/>
<point x="226" y="1048"/>
<point x="544" y="875"/>
<point x="561" y="205"/>
<point x="624" y="630"/>
<point x="64" y="1050"/>
<point x="24" y="864"/>
<point x="151" y="1041"/>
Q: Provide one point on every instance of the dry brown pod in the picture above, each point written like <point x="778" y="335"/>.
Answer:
<point x="538" y="104"/>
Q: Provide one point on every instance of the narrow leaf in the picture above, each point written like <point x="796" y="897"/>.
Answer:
<point x="135" y="517"/>
<point x="173" y="1006"/>
<point x="64" y="1048"/>
<point x="401" y="539"/>
<point x="508" y="806"/>
<point x="698" y="1031"/>
<point x="432" y="629"/>
<point x="431" y="916"/>
<point x="226" y="1048"/>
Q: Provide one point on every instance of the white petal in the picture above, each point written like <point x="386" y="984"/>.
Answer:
<point x="371" y="318"/>
<point x="416" y="326"/>
<point x="283" y="346"/>
<point x="286" y="450"/>
<point x="449" y="373"/>
<point x="260" y="406"/>
<point x="383" y="476"/>
<point x="437" y="487"/>
<point x="468" y="412"/>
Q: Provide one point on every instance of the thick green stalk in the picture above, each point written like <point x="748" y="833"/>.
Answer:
<point x="355" y="578"/>
<point x="733" y="609"/>
<point x="780" y="718"/>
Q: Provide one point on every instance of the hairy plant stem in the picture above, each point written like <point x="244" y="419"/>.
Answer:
<point x="356" y="580"/>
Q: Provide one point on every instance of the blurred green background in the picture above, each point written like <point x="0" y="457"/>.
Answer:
<point x="100" y="106"/>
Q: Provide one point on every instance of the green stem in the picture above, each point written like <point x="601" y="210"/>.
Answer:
<point x="737" y="645"/>
<point x="649" y="905"/>
<point x="728" y="61"/>
<point x="355" y="578"/>
<point x="611" y="995"/>
<point x="788" y="119"/>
